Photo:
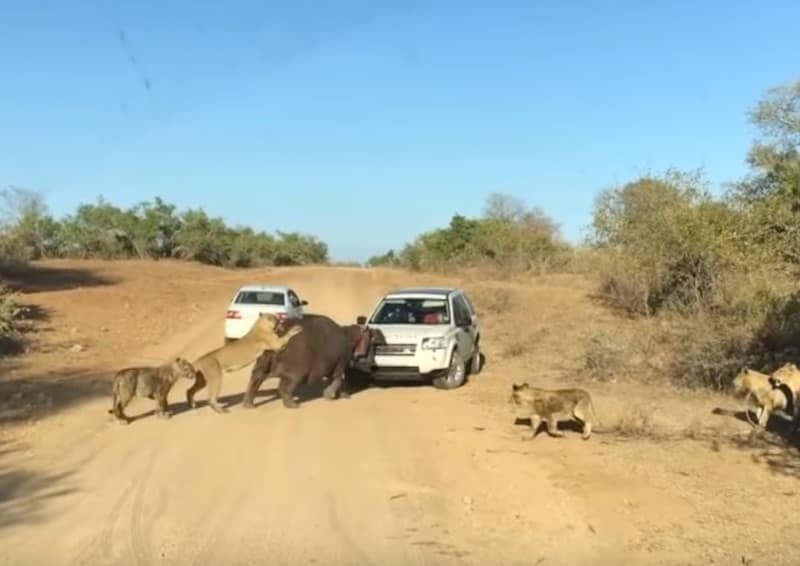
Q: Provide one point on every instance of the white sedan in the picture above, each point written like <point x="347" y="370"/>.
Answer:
<point x="250" y="300"/>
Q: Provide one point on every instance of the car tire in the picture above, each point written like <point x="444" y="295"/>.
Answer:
<point x="456" y="373"/>
<point x="476" y="361"/>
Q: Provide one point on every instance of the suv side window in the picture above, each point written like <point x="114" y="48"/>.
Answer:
<point x="461" y="313"/>
<point x="293" y="299"/>
<point x="469" y="303"/>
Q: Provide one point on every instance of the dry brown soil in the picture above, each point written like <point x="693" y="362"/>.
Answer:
<point x="393" y="475"/>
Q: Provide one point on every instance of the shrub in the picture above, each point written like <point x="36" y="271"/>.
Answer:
<point x="147" y="230"/>
<point x="669" y="245"/>
<point x="10" y="324"/>
<point x="509" y="237"/>
<point x="603" y="355"/>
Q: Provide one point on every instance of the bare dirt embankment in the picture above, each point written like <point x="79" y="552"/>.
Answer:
<point x="394" y="475"/>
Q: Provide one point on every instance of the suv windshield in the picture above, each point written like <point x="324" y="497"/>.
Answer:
<point x="412" y="311"/>
<point x="261" y="298"/>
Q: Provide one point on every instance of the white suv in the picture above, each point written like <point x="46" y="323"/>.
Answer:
<point x="250" y="300"/>
<point x="429" y="333"/>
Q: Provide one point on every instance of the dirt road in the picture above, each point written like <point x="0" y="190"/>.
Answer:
<point x="395" y="475"/>
<point x="358" y="481"/>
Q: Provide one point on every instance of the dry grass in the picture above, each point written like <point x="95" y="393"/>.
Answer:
<point x="603" y="355"/>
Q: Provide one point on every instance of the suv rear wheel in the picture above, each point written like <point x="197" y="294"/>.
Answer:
<point x="476" y="362"/>
<point x="456" y="373"/>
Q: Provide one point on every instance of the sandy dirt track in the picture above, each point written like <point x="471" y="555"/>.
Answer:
<point x="393" y="475"/>
<point x="358" y="481"/>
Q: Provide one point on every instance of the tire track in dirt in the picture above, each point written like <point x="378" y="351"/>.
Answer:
<point x="251" y="485"/>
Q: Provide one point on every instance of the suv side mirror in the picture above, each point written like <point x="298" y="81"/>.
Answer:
<point x="361" y="320"/>
<point x="303" y="303"/>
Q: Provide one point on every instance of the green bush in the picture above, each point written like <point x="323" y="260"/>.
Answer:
<point x="147" y="230"/>
<point x="509" y="237"/>
<point x="668" y="244"/>
<point x="10" y="320"/>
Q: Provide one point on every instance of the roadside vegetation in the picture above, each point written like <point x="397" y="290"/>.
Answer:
<point x="710" y="277"/>
<point x="150" y="230"/>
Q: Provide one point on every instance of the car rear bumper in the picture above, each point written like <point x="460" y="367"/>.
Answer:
<point x="236" y="328"/>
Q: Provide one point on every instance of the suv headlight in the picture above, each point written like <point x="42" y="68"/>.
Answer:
<point x="436" y="343"/>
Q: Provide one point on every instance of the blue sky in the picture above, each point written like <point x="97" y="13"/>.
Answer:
<point x="365" y="123"/>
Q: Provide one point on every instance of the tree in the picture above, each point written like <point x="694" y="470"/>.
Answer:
<point x="26" y="222"/>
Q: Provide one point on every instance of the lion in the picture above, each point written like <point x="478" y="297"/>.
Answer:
<point x="266" y="334"/>
<point x="776" y="392"/>
<point x="151" y="382"/>
<point x="549" y="404"/>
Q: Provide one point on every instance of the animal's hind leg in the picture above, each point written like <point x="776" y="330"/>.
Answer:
<point x="258" y="374"/>
<point x="336" y="386"/>
<point x="585" y="422"/>
<point x="120" y="402"/>
<point x="252" y="388"/>
<point x="552" y="427"/>
<point x="587" y="430"/>
<point x="536" y="421"/>
<point x="214" y="387"/>
<point x="199" y="383"/>
<point x="286" y="389"/>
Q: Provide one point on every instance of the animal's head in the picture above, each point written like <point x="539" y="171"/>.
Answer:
<point x="363" y="337"/>
<point x="182" y="368"/>
<point x="284" y="325"/>
<point x="739" y="381"/>
<point x="785" y="371"/>
<point x="516" y="389"/>
<point x="265" y="323"/>
<point x="749" y="379"/>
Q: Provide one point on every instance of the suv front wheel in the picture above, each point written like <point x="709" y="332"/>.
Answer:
<point x="456" y="373"/>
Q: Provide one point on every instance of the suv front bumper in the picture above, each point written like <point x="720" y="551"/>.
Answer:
<point x="405" y="368"/>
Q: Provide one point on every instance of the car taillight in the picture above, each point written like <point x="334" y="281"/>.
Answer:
<point x="233" y="314"/>
<point x="281" y="316"/>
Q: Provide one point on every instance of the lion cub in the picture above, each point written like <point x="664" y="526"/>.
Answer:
<point x="151" y="382"/>
<point x="549" y="404"/>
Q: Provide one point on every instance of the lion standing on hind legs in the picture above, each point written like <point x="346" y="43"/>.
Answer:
<point x="266" y="334"/>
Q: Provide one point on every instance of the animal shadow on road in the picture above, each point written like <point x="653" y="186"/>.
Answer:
<point x="563" y="426"/>
<point x="776" y="446"/>
<point x="775" y="423"/>
<point x="306" y="392"/>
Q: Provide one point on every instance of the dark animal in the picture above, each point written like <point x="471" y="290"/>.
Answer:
<point x="324" y="349"/>
<point x="150" y="382"/>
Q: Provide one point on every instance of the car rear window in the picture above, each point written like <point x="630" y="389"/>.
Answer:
<point x="261" y="298"/>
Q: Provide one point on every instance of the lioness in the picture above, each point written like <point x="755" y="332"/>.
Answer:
<point x="151" y="382"/>
<point x="265" y="334"/>
<point x="767" y="390"/>
<point x="548" y="405"/>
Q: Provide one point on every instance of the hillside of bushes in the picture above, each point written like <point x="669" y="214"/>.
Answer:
<point x="718" y="270"/>
<point x="151" y="230"/>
